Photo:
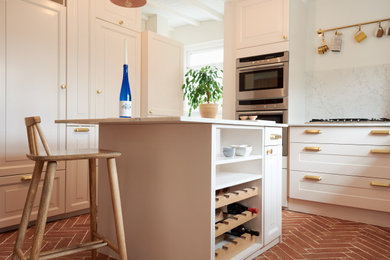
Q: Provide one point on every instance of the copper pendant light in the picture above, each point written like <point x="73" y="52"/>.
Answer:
<point x="129" y="3"/>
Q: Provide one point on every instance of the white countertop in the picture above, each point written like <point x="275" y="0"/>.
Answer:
<point x="373" y="124"/>
<point x="170" y="120"/>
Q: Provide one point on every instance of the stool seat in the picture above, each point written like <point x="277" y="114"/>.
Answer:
<point x="79" y="154"/>
<point x="51" y="158"/>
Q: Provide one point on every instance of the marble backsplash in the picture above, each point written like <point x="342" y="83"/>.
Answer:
<point x="353" y="92"/>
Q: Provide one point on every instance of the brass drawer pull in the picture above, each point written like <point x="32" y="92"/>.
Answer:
<point x="380" y="151"/>
<point x="81" y="129"/>
<point x="380" y="184"/>
<point x="120" y="22"/>
<point x="380" y="132"/>
<point x="312" y="177"/>
<point x="26" y="177"/>
<point x="312" y="148"/>
<point x="270" y="151"/>
<point x="275" y="136"/>
<point x="313" y="131"/>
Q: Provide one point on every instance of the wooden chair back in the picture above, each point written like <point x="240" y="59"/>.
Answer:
<point x="33" y="130"/>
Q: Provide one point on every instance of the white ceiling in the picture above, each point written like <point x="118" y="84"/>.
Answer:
<point x="184" y="12"/>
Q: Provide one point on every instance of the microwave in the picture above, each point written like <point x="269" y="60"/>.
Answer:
<point x="262" y="77"/>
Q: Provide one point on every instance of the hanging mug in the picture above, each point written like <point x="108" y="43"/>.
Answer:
<point x="360" y="35"/>
<point x="388" y="31"/>
<point x="379" y="31"/>
<point x="335" y="45"/>
<point x="323" y="48"/>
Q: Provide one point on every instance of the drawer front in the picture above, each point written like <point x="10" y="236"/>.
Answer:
<point x="341" y="190"/>
<point x="341" y="135"/>
<point x="273" y="136"/>
<point x="125" y="17"/>
<point x="13" y="193"/>
<point x="357" y="160"/>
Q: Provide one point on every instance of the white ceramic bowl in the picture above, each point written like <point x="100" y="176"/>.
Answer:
<point x="243" y="117"/>
<point x="243" y="149"/>
<point x="252" y="117"/>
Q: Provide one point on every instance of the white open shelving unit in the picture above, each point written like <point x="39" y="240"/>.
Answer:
<point x="234" y="174"/>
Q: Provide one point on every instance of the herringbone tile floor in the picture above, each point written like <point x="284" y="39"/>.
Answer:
<point x="304" y="237"/>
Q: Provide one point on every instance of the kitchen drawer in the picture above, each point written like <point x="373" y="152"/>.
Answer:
<point x="129" y="18"/>
<point x="355" y="160"/>
<point x="273" y="136"/>
<point x="13" y="193"/>
<point x="341" y="135"/>
<point x="341" y="190"/>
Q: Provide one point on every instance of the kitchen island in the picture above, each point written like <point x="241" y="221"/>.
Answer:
<point x="175" y="184"/>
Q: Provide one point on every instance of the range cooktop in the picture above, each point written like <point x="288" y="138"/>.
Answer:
<point x="349" y="120"/>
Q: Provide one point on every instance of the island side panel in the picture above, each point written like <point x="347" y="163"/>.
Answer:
<point x="165" y="177"/>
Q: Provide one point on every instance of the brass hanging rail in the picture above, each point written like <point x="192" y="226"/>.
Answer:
<point x="320" y="31"/>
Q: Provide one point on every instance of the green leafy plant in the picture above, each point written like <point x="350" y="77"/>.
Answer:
<point x="202" y="86"/>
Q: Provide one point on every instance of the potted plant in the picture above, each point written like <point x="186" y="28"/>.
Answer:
<point x="203" y="89"/>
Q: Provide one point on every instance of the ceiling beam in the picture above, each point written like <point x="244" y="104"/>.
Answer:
<point x="213" y="13"/>
<point x="164" y="8"/>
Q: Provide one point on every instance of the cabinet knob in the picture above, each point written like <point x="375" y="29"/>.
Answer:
<point x="380" y="184"/>
<point x="120" y="22"/>
<point x="150" y="111"/>
<point x="312" y="148"/>
<point x="312" y="177"/>
<point x="275" y="137"/>
<point x="99" y="91"/>
<point x="269" y="151"/>
<point x="312" y="131"/>
<point x="81" y="129"/>
<point x="284" y="37"/>
<point x="63" y="86"/>
<point x="26" y="178"/>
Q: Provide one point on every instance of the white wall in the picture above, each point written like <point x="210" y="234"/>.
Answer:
<point x="356" y="81"/>
<point x="205" y="32"/>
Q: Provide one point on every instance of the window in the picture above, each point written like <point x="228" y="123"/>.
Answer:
<point x="203" y="54"/>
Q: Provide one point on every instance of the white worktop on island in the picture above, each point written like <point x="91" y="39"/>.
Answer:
<point x="171" y="120"/>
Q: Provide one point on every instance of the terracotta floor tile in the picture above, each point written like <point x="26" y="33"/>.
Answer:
<point x="305" y="236"/>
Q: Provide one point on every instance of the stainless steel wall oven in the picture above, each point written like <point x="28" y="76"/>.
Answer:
<point x="262" y="89"/>
<point x="262" y="77"/>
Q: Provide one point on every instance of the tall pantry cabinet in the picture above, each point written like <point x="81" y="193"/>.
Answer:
<point x="32" y="82"/>
<point x="59" y="62"/>
<point x="97" y="30"/>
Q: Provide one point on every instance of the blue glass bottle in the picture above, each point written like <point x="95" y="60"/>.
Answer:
<point x="125" y="95"/>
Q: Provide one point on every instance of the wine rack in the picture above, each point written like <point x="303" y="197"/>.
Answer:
<point x="233" y="248"/>
<point x="230" y="223"/>
<point x="235" y="196"/>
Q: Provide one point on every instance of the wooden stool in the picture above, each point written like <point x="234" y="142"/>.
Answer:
<point x="97" y="241"/>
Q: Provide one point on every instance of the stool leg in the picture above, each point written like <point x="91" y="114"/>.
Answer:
<point x="92" y="203"/>
<point x="116" y="203"/>
<point x="32" y="190"/>
<point x="43" y="208"/>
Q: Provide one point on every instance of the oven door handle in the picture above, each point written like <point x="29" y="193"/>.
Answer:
<point x="266" y="66"/>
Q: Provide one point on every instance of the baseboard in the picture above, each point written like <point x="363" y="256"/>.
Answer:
<point x="372" y="217"/>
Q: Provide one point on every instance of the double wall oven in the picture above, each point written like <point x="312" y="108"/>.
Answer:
<point x="262" y="88"/>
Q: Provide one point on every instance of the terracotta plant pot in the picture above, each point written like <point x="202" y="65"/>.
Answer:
<point x="208" y="110"/>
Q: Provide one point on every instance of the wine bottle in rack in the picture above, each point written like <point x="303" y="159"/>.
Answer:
<point x="125" y="94"/>
<point x="240" y="230"/>
<point x="237" y="208"/>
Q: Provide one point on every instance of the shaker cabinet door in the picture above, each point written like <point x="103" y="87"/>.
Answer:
<point x="272" y="193"/>
<point x="261" y="22"/>
<point x="32" y="71"/>
<point x="109" y="60"/>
